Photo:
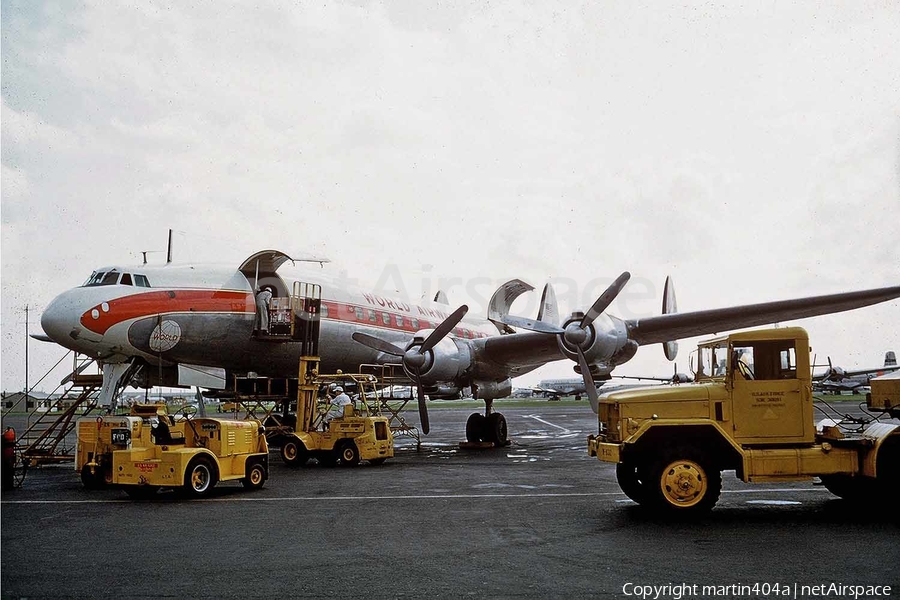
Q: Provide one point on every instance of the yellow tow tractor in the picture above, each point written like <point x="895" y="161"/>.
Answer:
<point x="345" y="439"/>
<point x="148" y="450"/>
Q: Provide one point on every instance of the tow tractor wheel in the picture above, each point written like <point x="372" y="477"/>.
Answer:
<point x="684" y="482"/>
<point x="293" y="452"/>
<point x="200" y="478"/>
<point x="349" y="455"/>
<point x="93" y="479"/>
<point x="496" y="429"/>
<point x="256" y="476"/>
<point x="633" y="485"/>
<point x="475" y="427"/>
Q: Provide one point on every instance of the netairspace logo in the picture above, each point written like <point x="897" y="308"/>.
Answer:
<point x="679" y="591"/>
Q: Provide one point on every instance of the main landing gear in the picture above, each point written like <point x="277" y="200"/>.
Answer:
<point x="489" y="427"/>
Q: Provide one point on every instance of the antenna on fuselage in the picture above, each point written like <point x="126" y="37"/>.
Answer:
<point x="168" y="253"/>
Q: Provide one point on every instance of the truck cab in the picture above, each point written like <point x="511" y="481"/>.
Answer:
<point x="750" y="409"/>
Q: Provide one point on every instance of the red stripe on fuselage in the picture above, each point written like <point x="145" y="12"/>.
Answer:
<point x="162" y="302"/>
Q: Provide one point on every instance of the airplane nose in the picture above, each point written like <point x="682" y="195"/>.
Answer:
<point x="60" y="320"/>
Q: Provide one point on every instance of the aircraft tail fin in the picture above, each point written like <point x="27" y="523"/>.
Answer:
<point x="890" y="359"/>
<point x="549" y="310"/>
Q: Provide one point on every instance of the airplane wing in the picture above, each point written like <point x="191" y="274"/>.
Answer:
<point x="519" y="353"/>
<point x="664" y="328"/>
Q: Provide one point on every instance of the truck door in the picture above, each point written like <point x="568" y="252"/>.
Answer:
<point x="769" y="399"/>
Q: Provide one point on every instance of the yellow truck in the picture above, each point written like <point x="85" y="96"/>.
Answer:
<point x="149" y="450"/>
<point x="750" y="409"/>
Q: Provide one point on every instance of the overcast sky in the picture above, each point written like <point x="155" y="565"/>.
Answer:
<point x="751" y="153"/>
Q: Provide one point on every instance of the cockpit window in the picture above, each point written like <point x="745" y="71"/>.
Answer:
<point x="103" y="278"/>
<point x="141" y="281"/>
<point x="126" y="279"/>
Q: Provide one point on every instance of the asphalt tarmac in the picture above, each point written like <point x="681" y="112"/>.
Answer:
<point x="536" y="519"/>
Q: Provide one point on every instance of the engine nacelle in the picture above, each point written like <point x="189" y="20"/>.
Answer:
<point x="606" y="343"/>
<point x="445" y="362"/>
<point x="490" y="390"/>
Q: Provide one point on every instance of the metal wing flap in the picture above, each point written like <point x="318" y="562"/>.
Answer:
<point x="519" y="349"/>
<point x="681" y="325"/>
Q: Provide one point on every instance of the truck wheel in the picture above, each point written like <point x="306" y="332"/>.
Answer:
<point x="200" y="477"/>
<point x="629" y="478"/>
<point x="846" y="487"/>
<point x="349" y="455"/>
<point x="92" y="480"/>
<point x="475" y="427"/>
<point x="256" y="476"/>
<point x="496" y="429"/>
<point x="684" y="482"/>
<point x="293" y="452"/>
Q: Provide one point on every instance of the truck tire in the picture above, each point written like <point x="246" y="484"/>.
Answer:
<point x="849" y="488"/>
<point x="349" y="454"/>
<point x="475" y="426"/>
<point x="684" y="482"/>
<point x="200" y="477"/>
<point x="256" y="476"/>
<point x="628" y="474"/>
<point x="293" y="452"/>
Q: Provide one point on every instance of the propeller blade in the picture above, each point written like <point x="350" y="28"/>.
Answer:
<point x="423" y="410"/>
<point x="377" y="344"/>
<point x="443" y="329"/>
<point x="589" y="386"/>
<point x="605" y="299"/>
<point x="531" y="325"/>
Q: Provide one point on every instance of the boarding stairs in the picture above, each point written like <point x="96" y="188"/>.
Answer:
<point x="48" y="436"/>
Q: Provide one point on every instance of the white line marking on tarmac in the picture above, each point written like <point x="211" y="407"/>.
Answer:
<point x="402" y="497"/>
<point x="537" y="418"/>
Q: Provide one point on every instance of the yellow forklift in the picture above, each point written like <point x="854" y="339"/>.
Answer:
<point x="347" y="438"/>
<point x="149" y="450"/>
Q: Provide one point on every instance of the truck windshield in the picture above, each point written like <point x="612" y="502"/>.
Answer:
<point x="711" y="361"/>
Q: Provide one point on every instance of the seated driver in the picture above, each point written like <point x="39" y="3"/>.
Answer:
<point x="338" y="402"/>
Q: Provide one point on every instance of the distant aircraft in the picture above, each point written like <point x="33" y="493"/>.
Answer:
<point x="837" y="380"/>
<point x="184" y="324"/>
<point x="568" y="386"/>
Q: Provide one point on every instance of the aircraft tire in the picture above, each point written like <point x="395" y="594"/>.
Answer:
<point x="496" y="431"/>
<point x="475" y="427"/>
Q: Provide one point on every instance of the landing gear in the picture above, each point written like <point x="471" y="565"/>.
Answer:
<point x="490" y="428"/>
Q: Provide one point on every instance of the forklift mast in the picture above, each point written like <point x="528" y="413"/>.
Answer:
<point x="307" y="301"/>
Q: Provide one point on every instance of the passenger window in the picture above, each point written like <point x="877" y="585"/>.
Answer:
<point x="141" y="281"/>
<point x="372" y="317"/>
<point x="324" y="310"/>
<point x="386" y="318"/>
<point x="126" y="279"/>
<point x="399" y="321"/>
<point x="359" y="313"/>
<point x="415" y="324"/>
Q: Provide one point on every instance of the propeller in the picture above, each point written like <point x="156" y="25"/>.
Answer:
<point x="576" y="334"/>
<point x="415" y="357"/>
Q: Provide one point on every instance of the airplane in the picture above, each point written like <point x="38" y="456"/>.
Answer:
<point x="191" y="324"/>
<point x="567" y="386"/>
<point x="837" y="380"/>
